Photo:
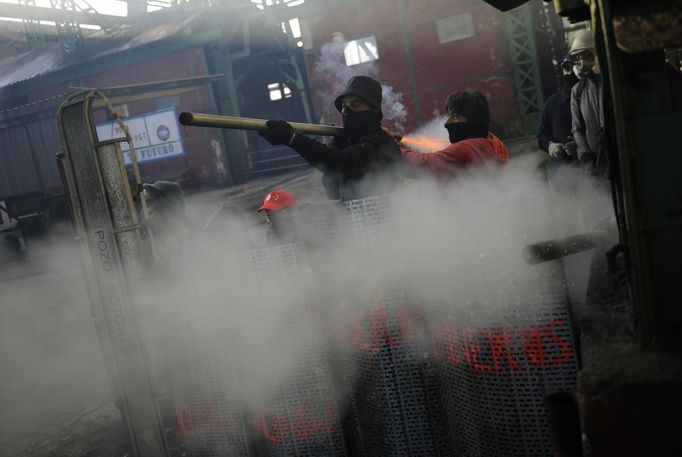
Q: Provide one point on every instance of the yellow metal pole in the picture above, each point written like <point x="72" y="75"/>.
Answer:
<point x="246" y="123"/>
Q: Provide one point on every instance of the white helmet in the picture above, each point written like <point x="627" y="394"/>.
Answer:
<point x="582" y="46"/>
<point x="582" y="41"/>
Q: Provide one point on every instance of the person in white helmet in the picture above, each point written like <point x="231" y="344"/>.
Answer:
<point x="586" y="105"/>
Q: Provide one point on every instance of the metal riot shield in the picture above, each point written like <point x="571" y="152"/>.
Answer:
<point x="298" y="414"/>
<point x="106" y="222"/>
<point x="499" y="357"/>
<point x="209" y="402"/>
<point x="503" y="343"/>
<point x="254" y="376"/>
<point x="385" y="351"/>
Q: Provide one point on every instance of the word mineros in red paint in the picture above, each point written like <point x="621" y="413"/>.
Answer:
<point x="493" y="349"/>
<point x="302" y="424"/>
<point x="371" y="329"/>
<point x="206" y="418"/>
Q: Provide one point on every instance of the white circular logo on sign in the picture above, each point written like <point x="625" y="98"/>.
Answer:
<point x="163" y="132"/>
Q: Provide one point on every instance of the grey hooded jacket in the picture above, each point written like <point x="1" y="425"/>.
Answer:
<point x="587" y="115"/>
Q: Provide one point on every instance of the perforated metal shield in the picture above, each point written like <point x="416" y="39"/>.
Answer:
<point x="253" y="372"/>
<point x="466" y="377"/>
<point x="208" y="401"/>
<point x="386" y="354"/>
<point x="298" y="415"/>
<point x="498" y="358"/>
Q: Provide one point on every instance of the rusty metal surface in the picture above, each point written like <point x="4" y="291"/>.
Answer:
<point x="648" y="27"/>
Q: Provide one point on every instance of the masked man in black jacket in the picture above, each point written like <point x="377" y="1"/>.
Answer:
<point x="365" y="161"/>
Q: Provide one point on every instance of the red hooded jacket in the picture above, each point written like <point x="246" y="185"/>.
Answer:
<point x="460" y="155"/>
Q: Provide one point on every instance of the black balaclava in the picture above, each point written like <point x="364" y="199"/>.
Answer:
<point x="472" y="105"/>
<point x="458" y="131"/>
<point x="357" y="124"/>
<point x="170" y="207"/>
<point x="569" y="80"/>
<point x="283" y="225"/>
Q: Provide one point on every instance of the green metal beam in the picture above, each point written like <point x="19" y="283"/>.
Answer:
<point x="524" y="58"/>
<point x="28" y="10"/>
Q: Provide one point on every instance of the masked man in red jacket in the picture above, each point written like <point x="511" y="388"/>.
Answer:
<point x="472" y="145"/>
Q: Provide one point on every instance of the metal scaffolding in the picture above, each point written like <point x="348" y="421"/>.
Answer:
<point x="68" y="31"/>
<point x="526" y="72"/>
<point x="34" y="35"/>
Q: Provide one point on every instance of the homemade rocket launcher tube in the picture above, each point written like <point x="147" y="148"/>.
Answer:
<point x="545" y="251"/>
<point x="247" y="123"/>
<point x="105" y="220"/>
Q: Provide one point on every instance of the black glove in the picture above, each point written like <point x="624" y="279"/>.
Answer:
<point x="278" y="132"/>
<point x="340" y="142"/>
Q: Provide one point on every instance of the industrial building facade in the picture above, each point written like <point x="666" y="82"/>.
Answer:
<point x="262" y="60"/>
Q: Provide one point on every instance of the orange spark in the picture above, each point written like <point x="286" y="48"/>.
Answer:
<point x="423" y="143"/>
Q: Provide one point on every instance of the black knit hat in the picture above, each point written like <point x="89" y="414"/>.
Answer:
<point x="471" y="104"/>
<point x="170" y="195"/>
<point x="364" y="87"/>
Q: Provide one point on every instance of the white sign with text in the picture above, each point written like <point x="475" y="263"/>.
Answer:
<point x="156" y="136"/>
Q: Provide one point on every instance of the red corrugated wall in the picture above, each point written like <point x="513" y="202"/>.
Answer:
<point x="197" y="163"/>
<point x="480" y="62"/>
<point x="197" y="160"/>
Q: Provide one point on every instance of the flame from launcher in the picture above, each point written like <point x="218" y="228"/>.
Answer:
<point x="423" y="143"/>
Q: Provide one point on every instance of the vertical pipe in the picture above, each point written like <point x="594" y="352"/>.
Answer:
<point x="410" y="62"/>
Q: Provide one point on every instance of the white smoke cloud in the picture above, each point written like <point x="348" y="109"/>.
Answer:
<point x="332" y="73"/>
<point x="219" y="332"/>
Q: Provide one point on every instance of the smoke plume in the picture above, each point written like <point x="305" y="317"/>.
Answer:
<point x="332" y="73"/>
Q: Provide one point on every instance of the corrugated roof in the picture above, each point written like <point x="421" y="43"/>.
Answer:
<point x="29" y="65"/>
<point x="49" y="59"/>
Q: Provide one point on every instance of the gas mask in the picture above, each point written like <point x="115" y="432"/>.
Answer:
<point x="585" y="63"/>
<point x="570" y="79"/>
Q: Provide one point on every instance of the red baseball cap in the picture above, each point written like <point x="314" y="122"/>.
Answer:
<point x="278" y="200"/>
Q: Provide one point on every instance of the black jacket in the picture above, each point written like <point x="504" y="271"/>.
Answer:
<point x="370" y="166"/>
<point x="555" y="124"/>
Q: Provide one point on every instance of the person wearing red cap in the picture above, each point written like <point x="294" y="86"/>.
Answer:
<point x="471" y="142"/>
<point x="278" y="206"/>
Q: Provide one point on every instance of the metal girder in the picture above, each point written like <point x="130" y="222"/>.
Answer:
<point x="524" y="58"/>
<point x="34" y="35"/>
<point x="505" y="5"/>
<point x="68" y="30"/>
<point x="37" y="13"/>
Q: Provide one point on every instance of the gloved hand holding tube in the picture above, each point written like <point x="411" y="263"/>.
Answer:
<point x="277" y="133"/>
<point x="556" y="150"/>
<point x="570" y="147"/>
